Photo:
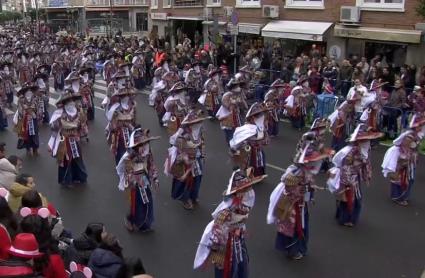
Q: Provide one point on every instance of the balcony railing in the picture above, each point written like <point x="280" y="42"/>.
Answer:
<point x="188" y="3"/>
<point x="65" y="3"/>
<point x="116" y="3"/>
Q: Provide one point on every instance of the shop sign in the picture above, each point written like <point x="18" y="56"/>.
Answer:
<point x="250" y="28"/>
<point x="380" y="34"/>
<point x="159" y="16"/>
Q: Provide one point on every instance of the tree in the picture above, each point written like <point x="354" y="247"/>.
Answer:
<point x="41" y="14"/>
<point x="9" y="16"/>
<point x="420" y="9"/>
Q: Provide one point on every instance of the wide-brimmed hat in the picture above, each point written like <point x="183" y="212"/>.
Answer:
<point x="40" y="75"/>
<point x="66" y="96"/>
<point x="417" y="120"/>
<point x="319" y="123"/>
<point x="241" y="180"/>
<point x="362" y="133"/>
<point x="139" y="137"/>
<point x="73" y="76"/>
<point x="214" y="71"/>
<point x="277" y="83"/>
<point x="232" y="83"/>
<point x="312" y="153"/>
<point x="302" y="79"/>
<point x="27" y="87"/>
<point x="377" y="85"/>
<point x="271" y="95"/>
<point x="193" y="117"/>
<point x="177" y="88"/>
<point x="25" y="245"/>
<point x="119" y="75"/>
<point x="255" y="109"/>
<point x="45" y="67"/>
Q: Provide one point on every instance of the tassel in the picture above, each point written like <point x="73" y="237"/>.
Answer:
<point x="349" y="195"/>
<point x="298" y="221"/>
<point x="227" y="267"/>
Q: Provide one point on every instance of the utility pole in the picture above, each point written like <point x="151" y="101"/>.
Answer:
<point x="36" y="16"/>
<point x="110" y="18"/>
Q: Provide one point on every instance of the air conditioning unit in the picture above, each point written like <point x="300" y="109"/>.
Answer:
<point x="350" y="14"/>
<point x="270" y="11"/>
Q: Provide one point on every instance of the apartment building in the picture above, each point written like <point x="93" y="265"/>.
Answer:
<point x="338" y="27"/>
<point x="98" y="16"/>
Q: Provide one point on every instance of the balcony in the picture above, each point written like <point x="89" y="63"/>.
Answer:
<point x="103" y="3"/>
<point x="64" y="3"/>
<point x="188" y="3"/>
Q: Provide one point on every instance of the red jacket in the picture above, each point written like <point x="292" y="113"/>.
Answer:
<point x="56" y="268"/>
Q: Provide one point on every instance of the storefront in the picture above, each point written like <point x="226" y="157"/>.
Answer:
<point x="297" y="37"/>
<point x="100" y="21"/>
<point x="158" y="24"/>
<point x="67" y="18"/>
<point x="191" y="27"/>
<point x="395" y="46"/>
<point x="250" y="34"/>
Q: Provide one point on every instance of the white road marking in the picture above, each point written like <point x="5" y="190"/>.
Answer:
<point x="275" y="167"/>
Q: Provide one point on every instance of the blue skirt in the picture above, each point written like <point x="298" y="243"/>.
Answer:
<point x="399" y="194"/>
<point x="180" y="190"/>
<point x="239" y="268"/>
<point x="3" y="120"/>
<point x="343" y="215"/>
<point x="294" y="245"/>
<point x="73" y="171"/>
<point x="141" y="215"/>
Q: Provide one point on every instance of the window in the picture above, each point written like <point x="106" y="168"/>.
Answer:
<point x="248" y="4"/>
<point x="166" y="3"/>
<point x="214" y="3"/>
<point x="154" y="4"/>
<point x="382" y="5"/>
<point x="305" y="4"/>
<point x="142" y="21"/>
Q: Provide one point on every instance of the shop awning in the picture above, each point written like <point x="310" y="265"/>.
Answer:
<point x="378" y="34"/>
<point x="250" y="28"/>
<point x="210" y="22"/>
<point x="298" y="30"/>
<point x="185" y="18"/>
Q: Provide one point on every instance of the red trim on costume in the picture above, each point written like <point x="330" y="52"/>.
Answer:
<point x="298" y="221"/>
<point x="227" y="267"/>
<point x="349" y="195"/>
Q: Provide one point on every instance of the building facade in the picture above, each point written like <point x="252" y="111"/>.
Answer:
<point x="339" y="28"/>
<point x="97" y="17"/>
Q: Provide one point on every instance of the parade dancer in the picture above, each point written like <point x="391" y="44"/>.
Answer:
<point x="213" y="90"/>
<point x="64" y="143"/>
<point x="58" y="73"/>
<point x="185" y="160"/>
<point x="342" y="121"/>
<point x="41" y="79"/>
<point x="295" y="104"/>
<point x="121" y="117"/>
<point x="159" y="95"/>
<point x="352" y="168"/>
<point x="289" y="202"/>
<point x="271" y="101"/>
<point x="223" y="241"/>
<point x="229" y="114"/>
<point x="23" y="69"/>
<point x="73" y="83"/>
<point x="138" y="70"/>
<point x="139" y="176"/>
<point x="26" y="119"/>
<point x="87" y="93"/>
<point x="176" y="107"/>
<point x="7" y="75"/>
<point x="400" y="161"/>
<point x="193" y="80"/>
<point x="109" y="68"/>
<point x="157" y="78"/>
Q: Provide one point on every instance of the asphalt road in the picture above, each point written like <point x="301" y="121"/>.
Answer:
<point x="389" y="240"/>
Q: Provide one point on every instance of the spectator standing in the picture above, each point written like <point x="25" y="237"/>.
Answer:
<point x="394" y="108"/>
<point x="345" y="75"/>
